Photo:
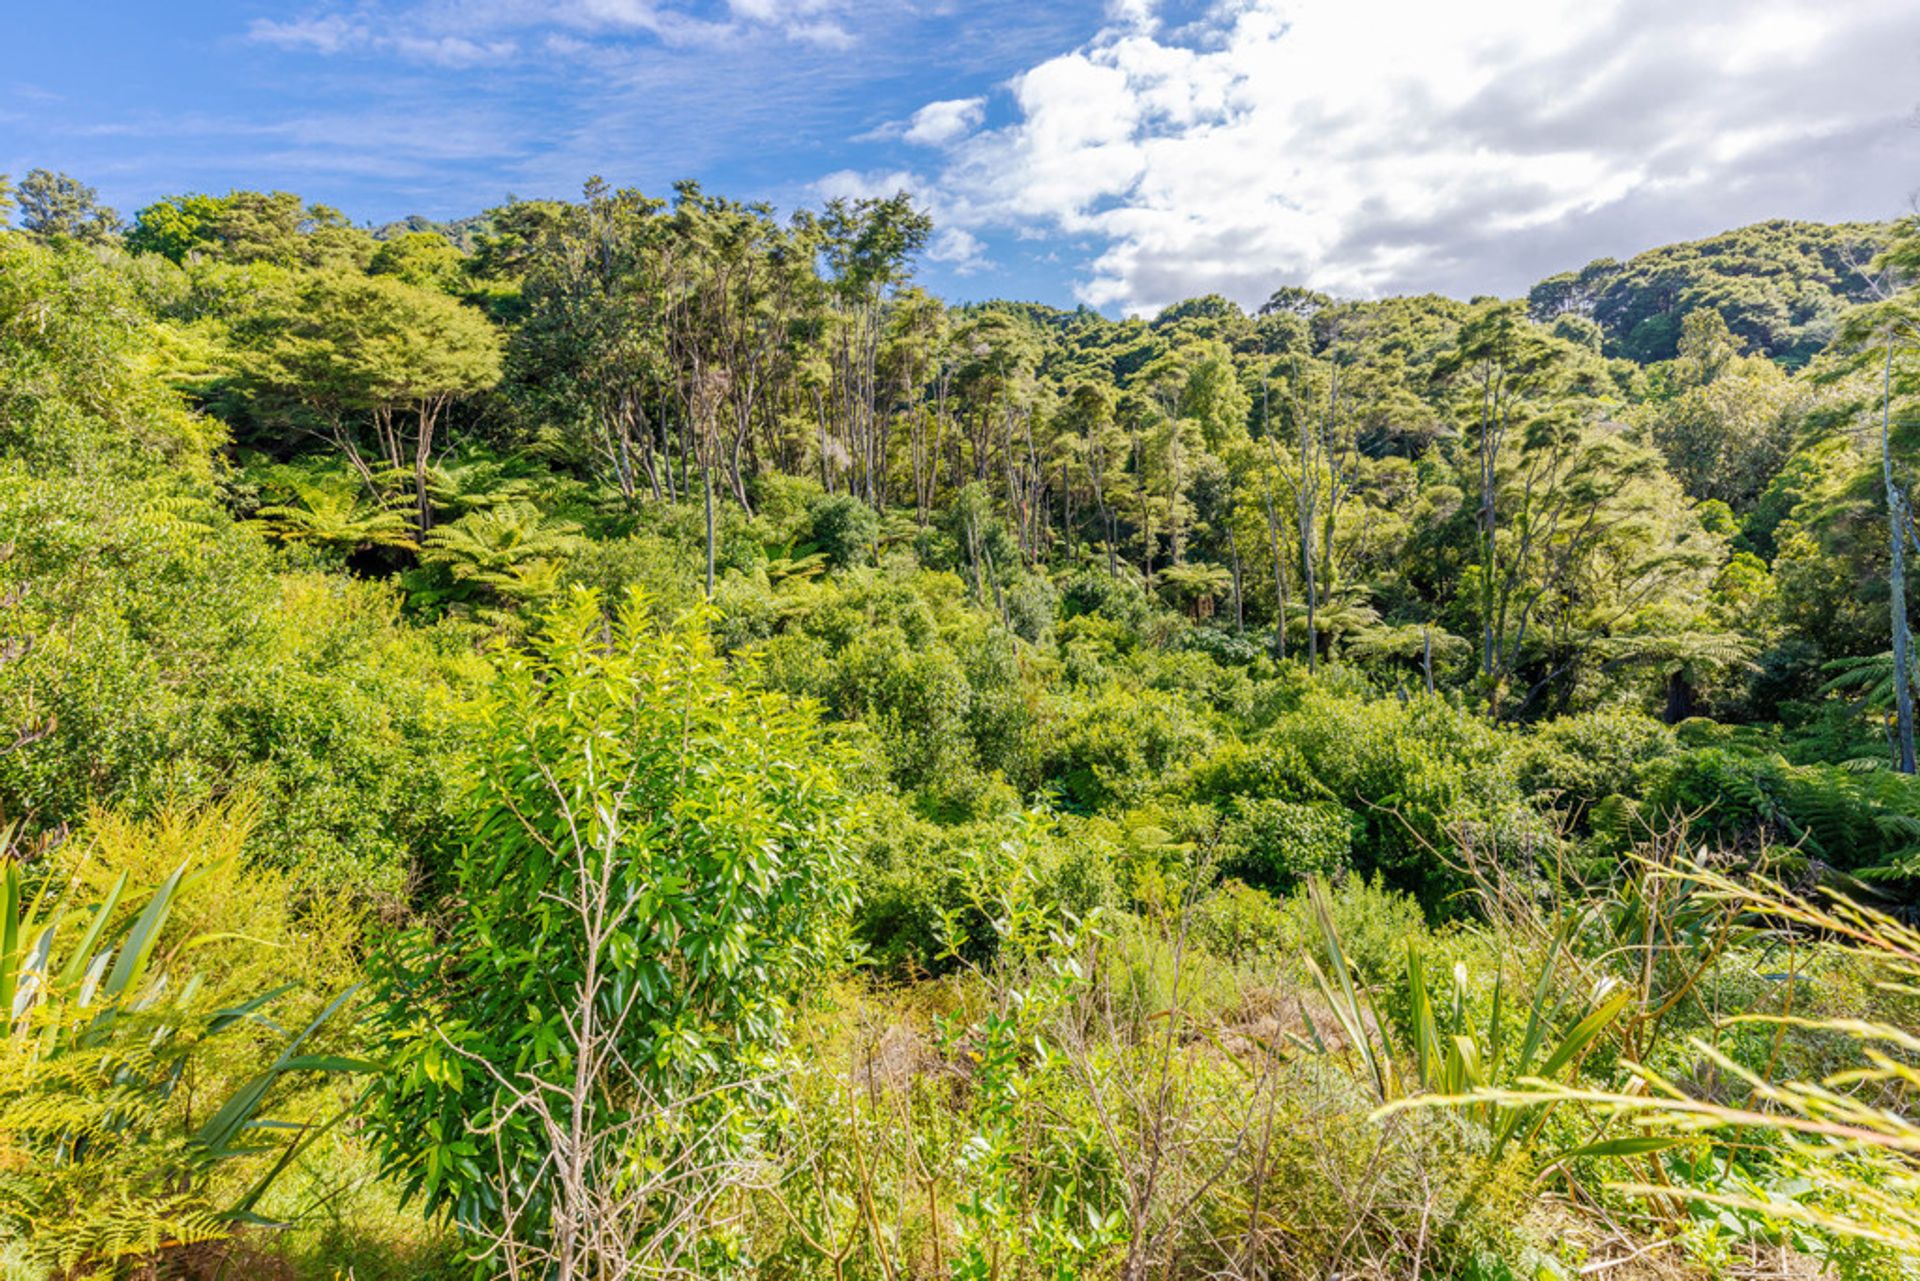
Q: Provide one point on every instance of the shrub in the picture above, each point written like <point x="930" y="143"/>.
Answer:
<point x="1583" y="759"/>
<point x="657" y="872"/>
<point x="845" y="529"/>
<point x="169" y="656"/>
<point x="1272" y="843"/>
<point x="141" y="1043"/>
<point x="1416" y="777"/>
<point x="1120" y="744"/>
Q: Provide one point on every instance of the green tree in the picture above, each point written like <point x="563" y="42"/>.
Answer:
<point x="359" y="357"/>
<point x="868" y="246"/>
<point x="250" y="226"/>
<point x="175" y="226"/>
<point x="424" y="258"/>
<point x="1728" y="428"/>
<point x="656" y="876"/>
<point x="1884" y="328"/>
<point x="55" y="206"/>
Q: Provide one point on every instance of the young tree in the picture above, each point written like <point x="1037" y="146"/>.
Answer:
<point x="657" y="874"/>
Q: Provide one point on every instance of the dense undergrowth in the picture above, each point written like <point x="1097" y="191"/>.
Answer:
<point x="464" y="858"/>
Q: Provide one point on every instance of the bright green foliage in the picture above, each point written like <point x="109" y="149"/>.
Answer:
<point x="371" y="364"/>
<point x="423" y="258"/>
<point x="325" y="511"/>
<point x="73" y="391"/>
<point x="175" y="226"/>
<point x="513" y="550"/>
<point x="250" y="227"/>
<point x="654" y="849"/>
<point x="1044" y="1209"/>
<point x="1412" y="778"/>
<point x="117" y="1111"/>
<point x="1274" y="844"/>
<point x="154" y="652"/>
<point x="1131" y="622"/>
<point x="1579" y="761"/>
<point x="163" y="658"/>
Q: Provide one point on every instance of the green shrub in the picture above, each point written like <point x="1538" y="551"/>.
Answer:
<point x="172" y="657"/>
<point x="656" y="873"/>
<point x="1272" y="844"/>
<point x="1582" y="759"/>
<point x="1120" y="744"/>
<point x="845" y="529"/>
<point x="1415" y="777"/>
<point x="914" y="872"/>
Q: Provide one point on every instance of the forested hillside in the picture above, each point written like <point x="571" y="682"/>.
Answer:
<point x="623" y="738"/>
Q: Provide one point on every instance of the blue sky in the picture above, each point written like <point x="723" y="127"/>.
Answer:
<point x="1120" y="152"/>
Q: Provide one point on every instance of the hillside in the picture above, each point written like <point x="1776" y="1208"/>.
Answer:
<point x="1780" y="286"/>
<point x="623" y="737"/>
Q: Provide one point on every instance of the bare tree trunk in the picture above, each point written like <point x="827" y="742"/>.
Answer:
<point x="1279" y="581"/>
<point x="1897" y="576"/>
<point x="422" y="455"/>
<point x="1233" y="545"/>
<point x="706" y="486"/>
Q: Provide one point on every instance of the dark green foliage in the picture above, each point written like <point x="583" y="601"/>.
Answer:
<point x="1860" y="816"/>
<point x="1415" y="779"/>
<point x="1780" y="285"/>
<point x="1577" y="761"/>
<point x="59" y="207"/>
<point x="844" y="529"/>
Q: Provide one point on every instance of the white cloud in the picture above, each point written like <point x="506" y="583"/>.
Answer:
<point x="335" y="33"/>
<point x="469" y="32"/>
<point x="939" y="123"/>
<point x="1377" y="145"/>
<point x="959" y="250"/>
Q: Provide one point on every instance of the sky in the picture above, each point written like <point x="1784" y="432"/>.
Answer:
<point x="1119" y="153"/>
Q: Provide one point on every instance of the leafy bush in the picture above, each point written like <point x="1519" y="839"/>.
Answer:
<point x="1580" y="760"/>
<point x="914" y="874"/>
<point x="845" y="529"/>
<point x="657" y="872"/>
<point x="1415" y="777"/>
<point x="1120" y="744"/>
<point x="1272" y="844"/>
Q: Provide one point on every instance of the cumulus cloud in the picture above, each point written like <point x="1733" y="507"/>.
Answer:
<point x="960" y="250"/>
<point x="1367" y="146"/>
<point x="939" y="123"/>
